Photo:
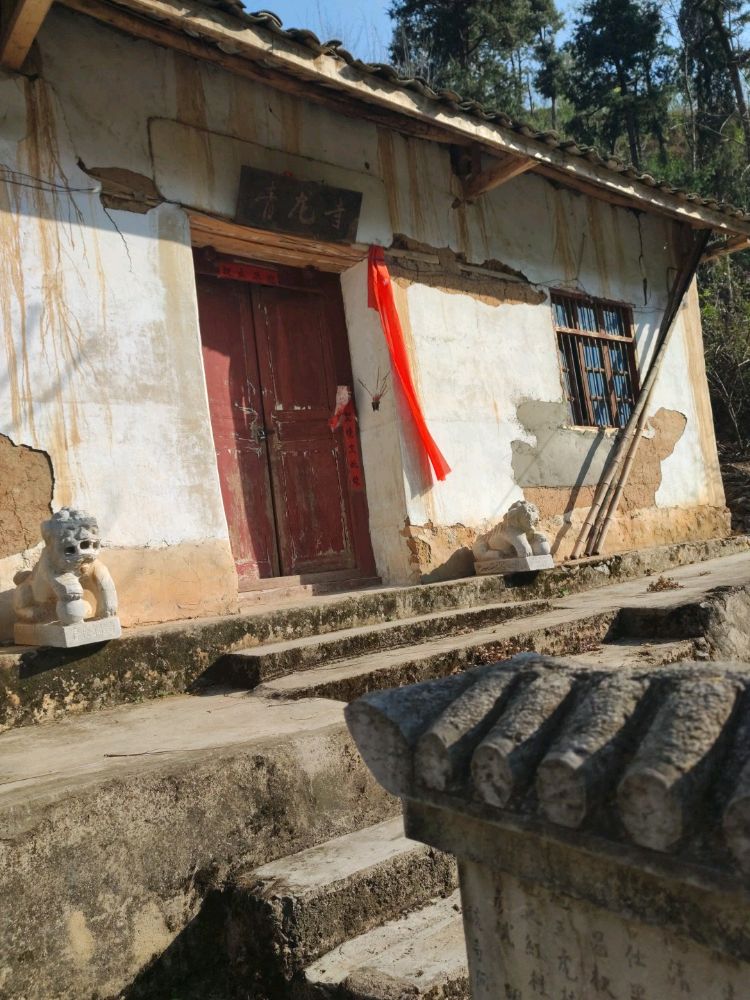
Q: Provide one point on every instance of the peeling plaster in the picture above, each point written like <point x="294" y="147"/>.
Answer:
<point x="26" y="488"/>
<point x="560" y="470"/>
<point x="498" y="285"/>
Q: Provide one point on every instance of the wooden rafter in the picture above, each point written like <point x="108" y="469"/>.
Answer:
<point x="503" y="170"/>
<point x="20" y="26"/>
<point x="716" y="250"/>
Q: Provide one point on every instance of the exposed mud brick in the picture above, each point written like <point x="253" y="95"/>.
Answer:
<point x="26" y="485"/>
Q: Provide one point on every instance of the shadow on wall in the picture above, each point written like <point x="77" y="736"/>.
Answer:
<point x="561" y="456"/>
<point x="439" y="552"/>
<point x="459" y="565"/>
<point x="195" y="965"/>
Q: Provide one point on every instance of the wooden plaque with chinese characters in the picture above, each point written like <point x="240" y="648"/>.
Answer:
<point x="305" y="208"/>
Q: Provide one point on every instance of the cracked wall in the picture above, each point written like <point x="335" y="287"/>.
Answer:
<point x="102" y="368"/>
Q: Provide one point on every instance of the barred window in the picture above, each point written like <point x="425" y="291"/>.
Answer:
<point x="597" y="359"/>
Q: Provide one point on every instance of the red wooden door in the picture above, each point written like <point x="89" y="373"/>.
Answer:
<point x="273" y="357"/>
<point x="234" y="400"/>
<point x="308" y="472"/>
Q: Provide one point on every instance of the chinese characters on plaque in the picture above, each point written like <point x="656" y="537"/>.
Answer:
<point x="306" y="208"/>
<point x="558" y="949"/>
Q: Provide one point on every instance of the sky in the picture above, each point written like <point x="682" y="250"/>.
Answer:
<point x="362" y="25"/>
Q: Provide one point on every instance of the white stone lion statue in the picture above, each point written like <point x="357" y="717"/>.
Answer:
<point x="68" y="566"/>
<point x="515" y="544"/>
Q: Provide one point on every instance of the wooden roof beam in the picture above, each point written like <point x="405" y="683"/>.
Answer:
<point x="20" y="26"/>
<point x="721" y="249"/>
<point x="502" y="171"/>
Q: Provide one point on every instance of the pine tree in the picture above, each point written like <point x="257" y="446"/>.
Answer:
<point x="713" y="62"/>
<point x="619" y="81"/>
<point x="482" y="49"/>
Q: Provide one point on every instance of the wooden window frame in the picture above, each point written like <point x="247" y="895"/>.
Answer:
<point x="571" y="341"/>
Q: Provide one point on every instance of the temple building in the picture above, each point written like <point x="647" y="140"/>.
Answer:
<point x="277" y="316"/>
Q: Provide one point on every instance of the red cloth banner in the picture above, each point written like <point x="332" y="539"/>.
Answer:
<point x="380" y="298"/>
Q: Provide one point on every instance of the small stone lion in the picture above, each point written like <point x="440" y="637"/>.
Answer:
<point x="515" y="537"/>
<point x="54" y="589"/>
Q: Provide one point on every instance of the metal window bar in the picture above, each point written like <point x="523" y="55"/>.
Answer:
<point x="597" y="360"/>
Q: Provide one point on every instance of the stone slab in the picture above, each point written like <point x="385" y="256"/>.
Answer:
<point x="544" y="944"/>
<point x="289" y="912"/>
<point x="67" y="636"/>
<point x="420" y="955"/>
<point x="507" y="567"/>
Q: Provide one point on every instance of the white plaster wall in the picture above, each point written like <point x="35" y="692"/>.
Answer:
<point x="380" y="431"/>
<point x="101" y="351"/>
<point x="477" y="364"/>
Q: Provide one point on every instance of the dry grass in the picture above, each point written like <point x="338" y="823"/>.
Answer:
<point x="663" y="583"/>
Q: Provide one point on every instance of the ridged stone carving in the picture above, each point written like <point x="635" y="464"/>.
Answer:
<point x="658" y="759"/>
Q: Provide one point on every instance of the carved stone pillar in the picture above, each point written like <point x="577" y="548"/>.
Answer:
<point x="601" y="820"/>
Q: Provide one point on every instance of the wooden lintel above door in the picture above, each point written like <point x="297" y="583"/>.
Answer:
<point x="278" y="248"/>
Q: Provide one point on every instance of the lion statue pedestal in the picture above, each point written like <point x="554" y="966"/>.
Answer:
<point x="51" y="601"/>
<point x="514" y="545"/>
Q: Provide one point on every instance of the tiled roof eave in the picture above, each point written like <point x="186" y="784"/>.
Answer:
<point x="261" y="38"/>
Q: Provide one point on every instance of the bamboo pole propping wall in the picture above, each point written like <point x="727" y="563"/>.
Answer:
<point x="615" y="476"/>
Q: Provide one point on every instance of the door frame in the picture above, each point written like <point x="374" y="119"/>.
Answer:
<point x="226" y="245"/>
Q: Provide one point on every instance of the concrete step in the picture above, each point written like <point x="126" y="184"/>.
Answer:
<point x="630" y="653"/>
<point x="118" y="831"/>
<point x="288" y="913"/>
<point x="39" y="685"/>
<point x="419" y="955"/>
<point x="294" y="588"/>
<point x="248" y="668"/>
<point x="680" y="620"/>
<point x="560" y="632"/>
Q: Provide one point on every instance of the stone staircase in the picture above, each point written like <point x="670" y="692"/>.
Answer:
<point x="370" y="907"/>
<point x="229" y="843"/>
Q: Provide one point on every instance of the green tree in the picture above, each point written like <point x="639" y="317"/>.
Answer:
<point x="725" y="311"/>
<point x="619" y="78"/>
<point x="552" y="75"/>
<point x="713" y="61"/>
<point x="485" y="50"/>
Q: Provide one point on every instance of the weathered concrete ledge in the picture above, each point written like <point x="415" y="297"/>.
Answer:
<point x="116" y="827"/>
<point x="40" y="685"/>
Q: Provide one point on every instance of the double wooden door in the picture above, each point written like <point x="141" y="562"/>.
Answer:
<point x="273" y="357"/>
